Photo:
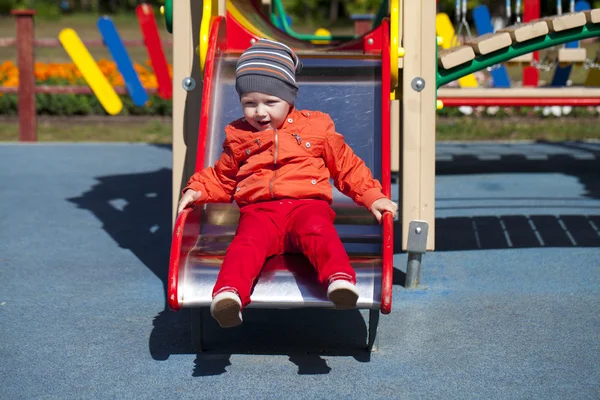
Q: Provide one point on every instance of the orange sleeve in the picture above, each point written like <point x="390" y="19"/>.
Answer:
<point x="350" y="174"/>
<point x="216" y="184"/>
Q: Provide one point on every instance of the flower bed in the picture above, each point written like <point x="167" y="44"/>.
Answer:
<point x="67" y="75"/>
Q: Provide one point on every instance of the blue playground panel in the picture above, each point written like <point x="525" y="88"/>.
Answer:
<point x="113" y="41"/>
<point x="483" y="22"/>
<point x="561" y="74"/>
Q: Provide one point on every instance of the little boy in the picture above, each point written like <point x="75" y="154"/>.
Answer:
<point x="276" y="164"/>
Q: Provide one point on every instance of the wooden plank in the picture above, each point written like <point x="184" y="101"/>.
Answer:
<point x="490" y="42"/>
<point x="428" y="117"/>
<point x="578" y="55"/>
<point x="525" y="32"/>
<point x="456" y="56"/>
<point x="565" y="22"/>
<point x="418" y="119"/>
<point x="445" y="30"/>
<point x="593" y="16"/>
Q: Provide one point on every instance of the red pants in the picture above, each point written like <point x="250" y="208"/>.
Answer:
<point x="283" y="226"/>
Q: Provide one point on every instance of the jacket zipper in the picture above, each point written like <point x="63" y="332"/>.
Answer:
<point x="275" y="154"/>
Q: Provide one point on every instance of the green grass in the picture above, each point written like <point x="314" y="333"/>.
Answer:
<point x="518" y="128"/>
<point x="94" y="129"/>
<point x="155" y="130"/>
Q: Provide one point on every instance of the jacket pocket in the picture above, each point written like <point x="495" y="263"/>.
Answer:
<point x="310" y="147"/>
<point x="244" y="150"/>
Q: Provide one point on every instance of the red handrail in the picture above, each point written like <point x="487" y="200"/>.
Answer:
<point x="386" y="173"/>
<point x="207" y="90"/>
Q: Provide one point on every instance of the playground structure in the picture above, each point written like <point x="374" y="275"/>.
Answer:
<point x="523" y="40"/>
<point x="392" y="69"/>
<point x="397" y="66"/>
<point x="360" y="66"/>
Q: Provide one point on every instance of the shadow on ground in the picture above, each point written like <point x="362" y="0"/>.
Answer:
<point x="497" y="231"/>
<point x="306" y="336"/>
<point x="135" y="211"/>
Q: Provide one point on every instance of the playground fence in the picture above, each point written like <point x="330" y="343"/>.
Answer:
<point x="25" y="43"/>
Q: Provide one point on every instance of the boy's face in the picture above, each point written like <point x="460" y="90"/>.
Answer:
<point x="264" y="111"/>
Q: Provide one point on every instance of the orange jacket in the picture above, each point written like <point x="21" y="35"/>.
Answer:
<point x="295" y="161"/>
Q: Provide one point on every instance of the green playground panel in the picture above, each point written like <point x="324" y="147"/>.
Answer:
<point x="277" y="8"/>
<point x="169" y="15"/>
<point x="516" y="50"/>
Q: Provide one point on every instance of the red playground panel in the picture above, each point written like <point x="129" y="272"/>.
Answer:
<point x="149" y="29"/>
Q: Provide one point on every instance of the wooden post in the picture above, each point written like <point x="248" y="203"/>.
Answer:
<point x="418" y="117"/>
<point x="186" y="105"/>
<point x="27" y="109"/>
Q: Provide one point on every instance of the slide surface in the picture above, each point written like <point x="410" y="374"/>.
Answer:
<point x="350" y="91"/>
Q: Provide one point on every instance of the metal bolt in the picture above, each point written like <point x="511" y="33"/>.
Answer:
<point x="370" y="42"/>
<point x="418" y="84"/>
<point x="188" y="83"/>
<point x="252" y="41"/>
<point x="418" y="230"/>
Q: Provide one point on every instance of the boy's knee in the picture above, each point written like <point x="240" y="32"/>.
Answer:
<point x="247" y="241"/>
<point x="317" y="225"/>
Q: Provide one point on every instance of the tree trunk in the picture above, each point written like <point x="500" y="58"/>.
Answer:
<point x="334" y="10"/>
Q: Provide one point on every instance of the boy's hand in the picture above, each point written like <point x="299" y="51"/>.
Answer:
<point x="381" y="205"/>
<point x="189" y="197"/>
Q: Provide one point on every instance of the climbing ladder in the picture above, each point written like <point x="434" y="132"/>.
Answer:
<point x="515" y="41"/>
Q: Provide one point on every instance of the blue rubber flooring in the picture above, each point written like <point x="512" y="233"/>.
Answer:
<point x="508" y="306"/>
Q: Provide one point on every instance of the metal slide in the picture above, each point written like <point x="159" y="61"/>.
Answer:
<point x="350" y="91"/>
<point x="353" y="92"/>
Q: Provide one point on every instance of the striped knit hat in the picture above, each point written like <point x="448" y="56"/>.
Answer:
<point x="268" y="67"/>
